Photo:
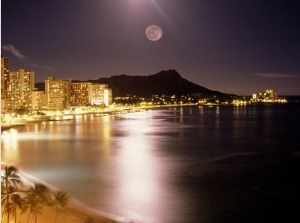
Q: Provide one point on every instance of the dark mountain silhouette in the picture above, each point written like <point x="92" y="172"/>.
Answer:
<point x="167" y="82"/>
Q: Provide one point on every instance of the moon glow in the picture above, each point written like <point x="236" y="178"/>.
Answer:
<point x="154" y="32"/>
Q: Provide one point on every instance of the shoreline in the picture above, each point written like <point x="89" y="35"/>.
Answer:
<point x="253" y="168"/>
<point x="76" y="211"/>
<point x="111" y="112"/>
<point x="66" y="116"/>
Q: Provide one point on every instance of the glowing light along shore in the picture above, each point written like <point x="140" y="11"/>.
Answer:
<point x="269" y="96"/>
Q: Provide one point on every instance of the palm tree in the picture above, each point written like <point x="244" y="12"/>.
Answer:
<point x="9" y="182"/>
<point x="6" y="194"/>
<point x="10" y="177"/>
<point x="16" y="203"/>
<point x="37" y="197"/>
<point x="60" y="202"/>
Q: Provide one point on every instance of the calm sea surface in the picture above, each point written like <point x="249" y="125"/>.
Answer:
<point x="175" y="165"/>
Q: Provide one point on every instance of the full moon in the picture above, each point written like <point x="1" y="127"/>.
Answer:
<point x="154" y="32"/>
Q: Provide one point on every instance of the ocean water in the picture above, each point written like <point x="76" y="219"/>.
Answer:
<point x="173" y="165"/>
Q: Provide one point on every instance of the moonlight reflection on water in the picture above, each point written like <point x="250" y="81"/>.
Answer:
<point x="179" y="165"/>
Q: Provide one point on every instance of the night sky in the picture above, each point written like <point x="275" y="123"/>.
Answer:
<point x="234" y="46"/>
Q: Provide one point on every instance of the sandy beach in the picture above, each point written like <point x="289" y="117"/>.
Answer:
<point x="75" y="212"/>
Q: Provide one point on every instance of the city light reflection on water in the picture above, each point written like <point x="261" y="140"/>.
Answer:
<point x="10" y="139"/>
<point x="117" y="155"/>
<point x="154" y="166"/>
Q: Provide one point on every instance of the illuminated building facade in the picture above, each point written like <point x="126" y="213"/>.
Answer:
<point x="57" y="93"/>
<point x="38" y="100"/>
<point x="269" y="96"/>
<point x="86" y="93"/>
<point x="81" y="94"/>
<point x="62" y="94"/>
<point x="4" y="76"/>
<point x="98" y="94"/>
<point x="4" y="81"/>
<point x="107" y="96"/>
<point x="19" y="92"/>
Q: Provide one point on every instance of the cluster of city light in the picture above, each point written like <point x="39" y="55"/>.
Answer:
<point x="63" y="98"/>
<point x="18" y="92"/>
<point x="269" y="96"/>
<point x="239" y="102"/>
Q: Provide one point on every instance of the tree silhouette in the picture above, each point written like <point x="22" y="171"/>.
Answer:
<point x="37" y="197"/>
<point x="60" y="202"/>
<point x="16" y="203"/>
<point x="10" y="177"/>
<point x="6" y="194"/>
<point x="9" y="182"/>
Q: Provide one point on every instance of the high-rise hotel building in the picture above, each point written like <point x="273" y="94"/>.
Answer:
<point x="38" y="100"/>
<point x="87" y="93"/>
<point x="62" y="94"/>
<point x="98" y="94"/>
<point x="57" y="93"/>
<point x="19" y="90"/>
<point x="107" y="96"/>
<point x="81" y="94"/>
<point x="4" y="76"/>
